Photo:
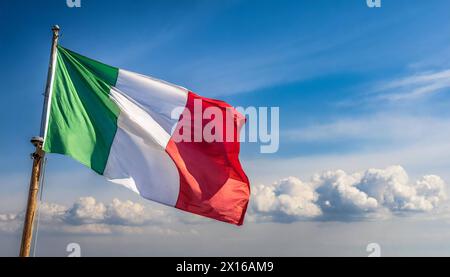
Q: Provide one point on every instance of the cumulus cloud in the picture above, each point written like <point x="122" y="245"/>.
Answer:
<point x="87" y="210"/>
<point x="393" y="189"/>
<point x="50" y="211"/>
<point x="87" y="215"/>
<point x="337" y="195"/>
<point x="287" y="199"/>
<point x="9" y="222"/>
<point x="328" y="196"/>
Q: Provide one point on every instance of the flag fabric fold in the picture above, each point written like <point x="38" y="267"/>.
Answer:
<point x="122" y="125"/>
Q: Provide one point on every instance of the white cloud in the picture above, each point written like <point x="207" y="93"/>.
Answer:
<point x="331" y="195"/>
<point x="127" y="212"/>
<point x="287" y="199"/>
<point x="9" y="222"/>
<point x="48" y="211"/>
<point x="85" y="211"/>
<point x="7" y="217"/>
<point x="415" y="86"/>
<point x="340" y="195"/>
<point x="392" y="189"/>
<point x="336" y="195"/>
<point x="378" y="127"/>
<point x="87" y="215"/>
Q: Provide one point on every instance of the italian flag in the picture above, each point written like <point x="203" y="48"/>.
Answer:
<point x="121" y="125"/>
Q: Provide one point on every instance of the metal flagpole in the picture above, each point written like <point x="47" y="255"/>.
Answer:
<point x="38" y="155"/>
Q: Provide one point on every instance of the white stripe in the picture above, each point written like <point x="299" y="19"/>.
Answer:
<point x="156" y="97"/>
<point x="137" y="159"/>
<point x="134" y="117"/>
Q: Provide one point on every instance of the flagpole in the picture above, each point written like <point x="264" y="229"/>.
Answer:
<point x="38" y="154"/>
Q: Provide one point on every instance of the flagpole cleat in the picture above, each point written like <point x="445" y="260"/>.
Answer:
<point x="37" y="141"/>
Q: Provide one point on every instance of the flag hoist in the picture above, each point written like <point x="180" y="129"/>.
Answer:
<point x="38" y="155"/>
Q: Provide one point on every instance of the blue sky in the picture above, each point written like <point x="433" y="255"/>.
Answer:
<point x="357" y="88"/>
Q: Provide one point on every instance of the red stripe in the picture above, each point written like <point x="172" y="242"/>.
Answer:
<point x="212" y="182"/>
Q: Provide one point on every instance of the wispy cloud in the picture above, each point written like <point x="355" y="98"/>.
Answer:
<point x="276" y="59"/>
<point x="392" y="127"/>
<point x="414" y="86"/>
<point x="418" y="142"/>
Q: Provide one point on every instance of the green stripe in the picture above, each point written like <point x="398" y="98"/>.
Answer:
<point x="82" y="118"/>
